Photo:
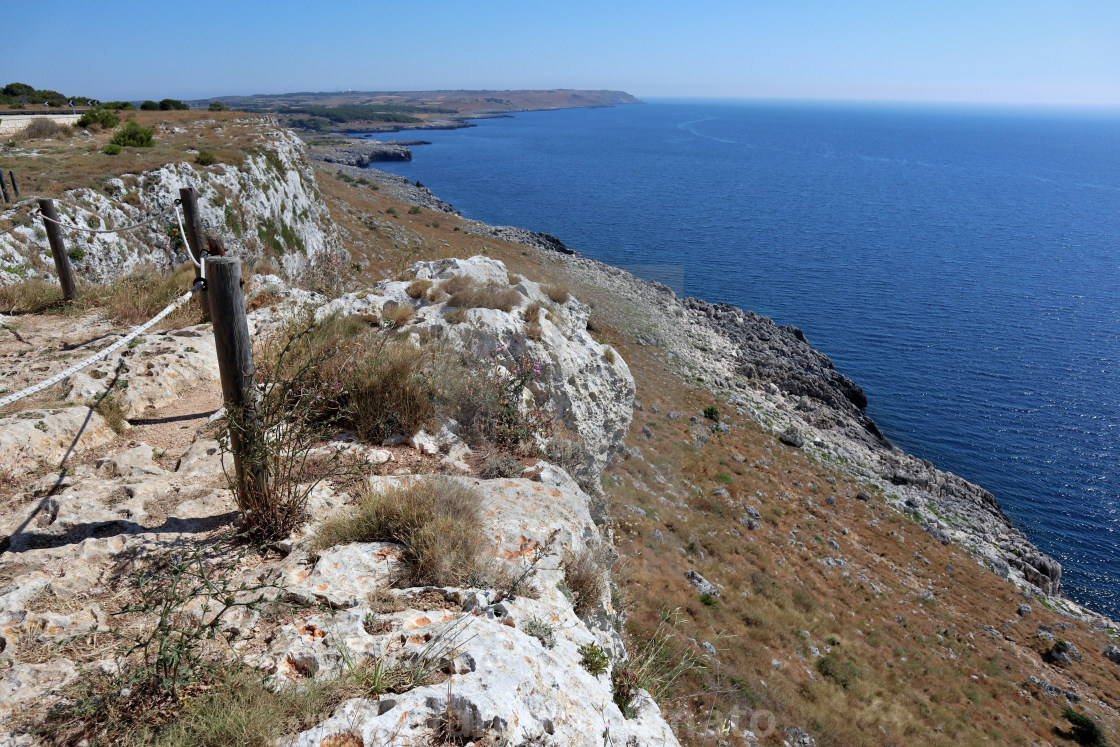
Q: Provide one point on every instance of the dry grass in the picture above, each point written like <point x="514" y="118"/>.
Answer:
<point x="558" y="292"/>
<point x="30" y="297"/>
<point x="469" y="295"/>
<point x="391" y="392"/>
<point x="585" y="575"/>
<point x="396" y="316"/>
<point x="60" y="165"/>
<point x="44" y="128"/>
<point x="418" y="288"/>
<point x="437" y="520"/>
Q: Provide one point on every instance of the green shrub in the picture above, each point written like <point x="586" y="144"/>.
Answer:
<point x="100" y="116"/>
<point x="594" y="659"/>
<point x="149" y="106"/>
<point x="708" y="600"/>
<point x="843" y="673"/>
<point x="112" y="149"/>
<point x="216" y="106"/>
<point x="712" y="413"/>
<point x="1085" y="730"/>
<point x="167" y="105"/>
<point x="133" y="135"/>
<point x="414" y="210"/>
<point x="205" y="158"/>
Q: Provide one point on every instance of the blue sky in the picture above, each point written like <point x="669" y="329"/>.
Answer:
<point x="1039" y="51"/>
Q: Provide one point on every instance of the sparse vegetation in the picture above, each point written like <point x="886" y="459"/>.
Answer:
<point x="469" y="295"/>
<point x="99" y="117"/>
<point x="585" y="578"/>
<point x="437" y="520"/>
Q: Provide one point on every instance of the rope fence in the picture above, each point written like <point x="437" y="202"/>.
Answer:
<point x="133" y="227"/>
<point x="199" y="285"/>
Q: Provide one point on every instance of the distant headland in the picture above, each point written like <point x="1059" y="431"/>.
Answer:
<point x="391" y="111"/>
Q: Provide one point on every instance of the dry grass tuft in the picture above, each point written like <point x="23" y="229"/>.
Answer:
<point x="418" y="288"/>
<point x="30" y="297"/>
<point x="585" y="575"/>
<point x="395" y="316"/>
<point x="438" y="521"/>
<point x="465" y="294"/>
<point x="558" y="292"/>
<point x="43" y="128"/>
<point x="390" y="392"/>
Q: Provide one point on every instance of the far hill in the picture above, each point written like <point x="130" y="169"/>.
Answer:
<point x="392" y="110"/>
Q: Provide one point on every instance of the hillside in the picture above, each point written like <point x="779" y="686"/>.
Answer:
<point x="834" y="590"/>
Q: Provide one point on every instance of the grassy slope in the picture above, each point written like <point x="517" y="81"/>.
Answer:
<point x="936" y="677"/>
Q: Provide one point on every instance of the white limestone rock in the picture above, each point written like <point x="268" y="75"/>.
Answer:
<point x="592" y="389"/>
<point x="47" y="436"/>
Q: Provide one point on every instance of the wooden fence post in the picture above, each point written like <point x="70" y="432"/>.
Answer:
<point x="15" y="187"/>
<point x="4" y="187"/>
<point x="195" y="239"/>
<point x="235" y="366"/>
<point x="58" y="249"/>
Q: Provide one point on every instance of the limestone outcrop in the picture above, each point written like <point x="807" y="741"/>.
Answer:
<point x="588" y="383"/>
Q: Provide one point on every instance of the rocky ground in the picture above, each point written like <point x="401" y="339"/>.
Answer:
<point x="121" y="501"/>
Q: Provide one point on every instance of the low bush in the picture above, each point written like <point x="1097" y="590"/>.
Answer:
<point x="133" y="135"/>
<point x="216" y="106"/>
<point x="390" y="392"/>
<point x="99" y="116"/>
<point x="437" y="520"/>
<point x="396" y="316"/>
<point x="1085" y="731"/>
<point x="500" y="465"/>
<point x="112" y="149"/>
<point x="42" y="128"/>
<point x="205" y="158"/>
<point x="167" y="105"/>
<point x="414" y="210"/>
<point x="712" y="413"/>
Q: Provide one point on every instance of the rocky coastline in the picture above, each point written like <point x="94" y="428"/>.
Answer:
<point x="773" y="374"/>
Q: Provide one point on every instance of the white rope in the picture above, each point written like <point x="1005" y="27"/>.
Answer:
<point x="102" y="353"/>
<point x="183" y="237"/>
<point x="133" y="227"/>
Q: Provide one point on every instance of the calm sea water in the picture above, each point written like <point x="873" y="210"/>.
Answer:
<point x="962" y="266"/>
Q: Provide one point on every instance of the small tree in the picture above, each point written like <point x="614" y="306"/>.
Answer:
<point x="217" y="106"/>
<point x="149" y="106"/>
<point x="171" y="105"/>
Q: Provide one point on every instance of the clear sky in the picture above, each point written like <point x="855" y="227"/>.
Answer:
<point x="1045" y="51"/>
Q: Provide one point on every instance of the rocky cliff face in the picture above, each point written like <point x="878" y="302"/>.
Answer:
<point x="269" y="203"/>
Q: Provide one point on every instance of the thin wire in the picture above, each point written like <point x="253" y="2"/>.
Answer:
<point x="103" y="353"/>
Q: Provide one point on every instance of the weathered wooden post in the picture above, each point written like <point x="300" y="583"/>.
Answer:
<point x="4" y="188"/>
<point x="195" y="239"/>
<point x="15" y="187"/>
<point x="235" y="366"/>
<point x="58" y="249"/>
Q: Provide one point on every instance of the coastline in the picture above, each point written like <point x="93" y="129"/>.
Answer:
<point x="772" y="374"/>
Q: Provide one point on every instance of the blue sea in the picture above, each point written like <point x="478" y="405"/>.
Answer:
<point x="961" y="264"/>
